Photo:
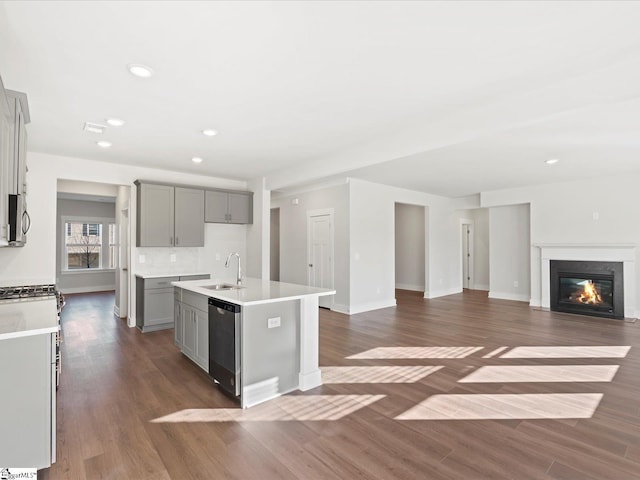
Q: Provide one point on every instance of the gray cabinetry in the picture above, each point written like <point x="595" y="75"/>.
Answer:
<point x="14" y="115"/>
<point x="189" y="217"/>
<point x="18" y="164"/>
<point x="155" y="305"/>
<point x="228" y="207"/>
<point x="6" y="135"/>
<point x="169" y="216"/>
<point x="28" y="401"/>
<point x="192" y="317"/>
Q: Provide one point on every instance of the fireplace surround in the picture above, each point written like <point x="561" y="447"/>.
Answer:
<point x="543" y="253"/>
<point x="587" y="287"/>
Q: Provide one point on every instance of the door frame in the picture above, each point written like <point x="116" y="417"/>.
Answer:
<point x="325" y="301"/>
<point x="470" y="225"/>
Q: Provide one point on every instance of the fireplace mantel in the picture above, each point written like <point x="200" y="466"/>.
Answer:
<point x="542" y="253"/>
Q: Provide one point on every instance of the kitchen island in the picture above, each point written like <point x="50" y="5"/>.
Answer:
<point x="278" y="333"/>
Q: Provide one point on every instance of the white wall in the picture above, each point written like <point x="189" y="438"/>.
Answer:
<point x="409" y="246"/>
<point x="563" y="213"/>
<point x="510" y="265"/>
<point x="372" y="244"/>
<point x="481" y="242"/>
<point x="35" y="263"/>
<point x="82" y="281"/>
<point x="258" y="238"/>
<point x="293" y="237"/>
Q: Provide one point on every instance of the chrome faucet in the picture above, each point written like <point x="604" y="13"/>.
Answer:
<point x="226" y="265"/>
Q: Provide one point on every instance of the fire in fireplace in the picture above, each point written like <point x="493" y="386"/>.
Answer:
<point x="587" y="288"/>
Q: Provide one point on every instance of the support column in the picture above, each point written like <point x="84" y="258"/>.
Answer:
<point x="310" y="375"/>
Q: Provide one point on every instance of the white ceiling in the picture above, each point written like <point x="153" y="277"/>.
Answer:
<point x="451" y="98"/>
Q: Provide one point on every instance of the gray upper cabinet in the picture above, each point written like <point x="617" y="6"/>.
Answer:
<point x="228" y="207"/>
<point x="14" y="115"/>
<point x="240" y="208"/>
<point x="216" y="206"/>
<point x="20" y="110"/>
<point x="155" y="215"/>
<point x="169" y="216"/>
<point x="189" y="217"/>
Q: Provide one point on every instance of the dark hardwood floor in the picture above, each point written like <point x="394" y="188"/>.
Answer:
<point x="460" y="398"/>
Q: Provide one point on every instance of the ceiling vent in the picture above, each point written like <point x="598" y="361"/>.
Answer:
<point x="94" y="127"/>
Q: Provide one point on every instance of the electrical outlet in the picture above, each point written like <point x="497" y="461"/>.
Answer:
<point x="172" y="257"/>
<point x="141" y="259"/>
<point x="273" y="322"/>
<point x="596" y="215"/>
<point x="515" y="283"/>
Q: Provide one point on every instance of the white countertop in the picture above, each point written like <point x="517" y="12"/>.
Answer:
<point x="165" y="274"/>
<point x="21" y="318"/>
<point x="254" y="291"/>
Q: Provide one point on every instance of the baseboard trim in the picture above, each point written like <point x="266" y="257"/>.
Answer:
<point x="481" y="286"/>
<point x="367" y="307"/>
<point x="99" y="288"/>
<point x="517" y="297"/>
<point x="337" y="307"/>
<point x="442" y="293"/>
<point x="409" y="286"/>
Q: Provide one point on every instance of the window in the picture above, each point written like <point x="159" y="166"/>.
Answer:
<point x="86" y="246"/>
<point x="113" y="246"/>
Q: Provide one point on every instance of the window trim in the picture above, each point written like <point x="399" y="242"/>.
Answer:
<point x="104" y="249"/>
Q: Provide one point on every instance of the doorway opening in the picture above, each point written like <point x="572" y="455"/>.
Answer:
<point x="92" y="240"/>
<point x="320" y="252"/>
<point x="410" y="247"/>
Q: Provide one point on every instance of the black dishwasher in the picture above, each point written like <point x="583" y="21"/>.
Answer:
<point x="224" y="345"/>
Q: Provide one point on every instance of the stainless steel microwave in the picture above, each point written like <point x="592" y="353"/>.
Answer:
<point x="19" y="221"/>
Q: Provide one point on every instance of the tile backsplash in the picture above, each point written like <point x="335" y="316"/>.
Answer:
<point x="220" y="240"/>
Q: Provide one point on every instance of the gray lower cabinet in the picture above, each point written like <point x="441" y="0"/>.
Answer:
<point x="155" y="307"/>
<point x="192" y="320"/>
<point x="28" y="401"/>
<point x="228" y="207"/>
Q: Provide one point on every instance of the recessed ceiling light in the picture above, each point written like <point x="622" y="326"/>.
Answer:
<point x="196" y="160"/>
<point x="141" y="71"/>
<point x="93" y="127"/>
<point x="209" y="132"/>
<point x="115" y="122"/>
<point x="551" y="161"/>
<point x="104" y="144"/>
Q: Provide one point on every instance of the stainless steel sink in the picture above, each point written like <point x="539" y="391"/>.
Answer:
<point x="222" y="286"/>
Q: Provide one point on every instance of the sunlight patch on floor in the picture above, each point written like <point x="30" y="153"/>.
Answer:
<point x="287" y="408"/>
<point x="410" y="374"/>
<point x="542" y="373"/>
<point x="505" y="407"/>
<point x="607" y="351"/>
<point x="416" y="352"/>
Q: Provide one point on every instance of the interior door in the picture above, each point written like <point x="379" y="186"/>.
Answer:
<point x="321" y="254"/>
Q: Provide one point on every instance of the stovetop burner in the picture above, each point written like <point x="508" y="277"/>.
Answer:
<point x="27" y="291"/>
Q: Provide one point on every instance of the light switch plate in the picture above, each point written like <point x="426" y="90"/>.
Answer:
<point x="141" y="258"/>
<point x="172" y="257"/>
<point x="273" y="322"/>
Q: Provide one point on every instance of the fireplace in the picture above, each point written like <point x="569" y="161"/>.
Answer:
<point x="587" y="288"/>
